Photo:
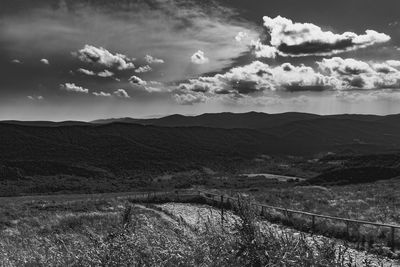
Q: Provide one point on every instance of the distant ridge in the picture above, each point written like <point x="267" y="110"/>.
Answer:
<point x="249" y="120"/>
<point x="225" y="120"/>
<point x="45" y="123"/>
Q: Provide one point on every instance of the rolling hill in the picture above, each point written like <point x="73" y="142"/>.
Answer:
<point x="119" y="152"/>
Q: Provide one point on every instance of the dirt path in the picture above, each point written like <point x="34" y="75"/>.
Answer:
<point x="198" y="215"/>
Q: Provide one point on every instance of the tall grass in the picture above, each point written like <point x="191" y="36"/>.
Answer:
<point x="123" y="234"/>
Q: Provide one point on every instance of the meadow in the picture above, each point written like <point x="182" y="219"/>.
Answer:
<point x="117" y="231"/>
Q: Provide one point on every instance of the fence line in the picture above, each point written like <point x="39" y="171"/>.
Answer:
<point x="179" y="195"/>
<point x="313" y="216"/>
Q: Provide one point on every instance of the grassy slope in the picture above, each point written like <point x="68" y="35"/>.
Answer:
<point x="107" y="232"/>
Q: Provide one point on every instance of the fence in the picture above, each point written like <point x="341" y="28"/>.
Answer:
<point x="221" y="199"/>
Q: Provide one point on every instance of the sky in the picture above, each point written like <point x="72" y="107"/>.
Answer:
<point x="91" y="59"/>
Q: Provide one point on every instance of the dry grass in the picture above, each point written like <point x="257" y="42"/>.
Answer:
<point x="375" y="202"/>
<point x="117" y="233"/>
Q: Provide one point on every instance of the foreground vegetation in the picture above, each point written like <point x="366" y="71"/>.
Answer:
<point x="116" y="232"/>
<point x="375" y="202"/>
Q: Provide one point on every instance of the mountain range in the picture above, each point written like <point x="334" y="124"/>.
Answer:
<point x="126" y="147"/>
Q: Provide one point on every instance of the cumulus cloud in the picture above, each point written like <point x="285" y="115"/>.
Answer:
<point x="348" y="66"/>
<point x="302" y="39"/>
<point x="152" y="60"/>
<point x="190" y="99"/>
<point x="86" y="72"/>
<point x="393" y="63"/>
<point x="103" y="94"/>
<point x="137" y="81"/>
<point x="256" y="78"/>
<point x="262" y="50"/>
<point x="105" y="73"/>
<point x="71" y="87"/>
<point x="102" y="57"/>
<point x="199" y="58"/>
<point x="45" y="61"/>
<point x="143" y="69"/>
<point x="121" y="93"/>
<point x="259" y="79"/>
<point x="357" y="74"/>
<point x="149" y="86"/>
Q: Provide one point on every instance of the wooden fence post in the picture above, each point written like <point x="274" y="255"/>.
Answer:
<point x="393" y="246"/>
<point x="313" y="224"/>
<point x="222" y="210"/>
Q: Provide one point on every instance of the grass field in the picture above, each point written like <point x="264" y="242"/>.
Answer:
<point x="112" y="231"/>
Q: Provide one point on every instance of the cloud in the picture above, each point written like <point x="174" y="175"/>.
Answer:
<point x="152" y="60"/>
<point x="87" y="72"/>
<point x="143" y="69"/>
<point x="348" y="66"/>
<point x="102" y="57"/>
<point x="123" y="27"/>
<point x="121" y="93"/>
<point x="190" y="99"/>
<point x="45" y="61"/>
<point x="136" y="80"/>
<point x="259" y="79"/>
<point x="149" y="86"/>
<point x="71" y="87"/>
<point x="393" y="63"/>
<point x="199" y="58"/>
<point x="240" y="36"/>
<point x="16" y="61"/>
<point x="102" y="94"/>
<point x="263" y="51"/>
<point x="153" y="86"/>
<point x="256" y="78"/>
<point x="105" y="73"/>
<point x="303" y="39"/>
<point x="357" y="74"/>
<point x="39" y="97"/>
